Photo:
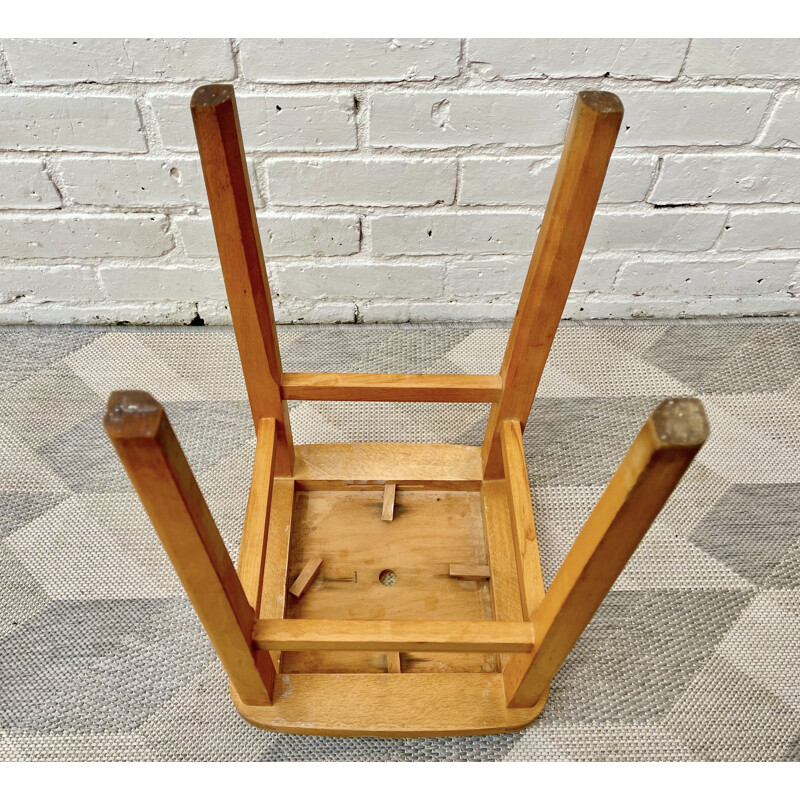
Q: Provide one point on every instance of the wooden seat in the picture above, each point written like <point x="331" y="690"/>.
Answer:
<point x="395" y="589"/>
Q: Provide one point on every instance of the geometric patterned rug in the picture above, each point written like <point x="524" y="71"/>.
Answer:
<point x="694" y="655"/>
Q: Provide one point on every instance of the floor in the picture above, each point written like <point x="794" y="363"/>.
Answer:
<point x="695" y="655"/>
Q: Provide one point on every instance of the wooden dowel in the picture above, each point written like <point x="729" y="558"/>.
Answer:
<point x="590" y="139"/>
<point x="389" y="492"/>
<point x="256" y="519"/>
<point x="394" y="635"/>
<point x="393" y="663"/>
<point x="470" y="572"/>
<point x="529" y="567"/>
<point x="306" y="577"/>
<point x="149" y="451"/>
<point x="219" y="139"/>
<point x="644" y="480"/>
<point x="400" y="388"/>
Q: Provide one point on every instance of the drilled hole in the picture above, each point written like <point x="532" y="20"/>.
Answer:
<point x="387" y="577"/>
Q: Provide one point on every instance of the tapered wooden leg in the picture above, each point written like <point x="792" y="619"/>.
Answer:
<point x="230" y="198"/>
<point x="149" y="451"/>
<point x="590" y="139"/>
<point x="651" y="469"/>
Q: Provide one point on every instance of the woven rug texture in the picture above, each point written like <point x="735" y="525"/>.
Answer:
<point x="694" y="655"/>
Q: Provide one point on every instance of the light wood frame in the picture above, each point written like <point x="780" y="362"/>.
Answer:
<point x="529" y="631"/>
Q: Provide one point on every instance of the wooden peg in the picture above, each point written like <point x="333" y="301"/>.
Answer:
<point x="388" y="502"/>
<point x="470" y="572"/>
<point x="393" y="663"/>
<point x="306" y="577"/>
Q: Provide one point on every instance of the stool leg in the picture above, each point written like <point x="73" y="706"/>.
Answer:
<point x="152" y="457"/>
<point x="219" y="140"/>
<point x="644" y="480"/>
<point x="587" y="149"/>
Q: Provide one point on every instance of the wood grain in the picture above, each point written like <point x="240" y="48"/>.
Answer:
<point x="383" y="704"/>
<point x="393" y="663"/>
<point x="354" y="465"/>
<point x="305" y="578"/>
<point x="470" y="572"/>
<point x="256" y="519"/>
<point x="430" y="531"/>
<point x="526" y="546"/>
<point x="649" y="472"/>
<point x="590" y="139"/>
<point x="438" y="636"/>
<point x="501" y="549"/>
<point x="401" y="388"/>
<point x="276" y="563"/>
<point x="389" y="492"/>
<point x="219" y="139"/>
<point x="149" y="451"/>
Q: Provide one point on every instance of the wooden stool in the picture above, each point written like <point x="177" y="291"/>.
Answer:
<point x="395" y="589"/>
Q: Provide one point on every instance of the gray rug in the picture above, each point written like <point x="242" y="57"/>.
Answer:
<point x="694" y="655"/>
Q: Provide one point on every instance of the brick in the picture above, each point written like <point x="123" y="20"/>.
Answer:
<point x="783" y="127"/>
<point x="526" y="180"/>
<point x="304" y="60"/>
<point x="48" y="284"/>
<point x="83" y="236"/>
<point x="496" y="278"/>
<point x="358" y="281"/>
<point x="671" y="230"/>
<point x="654" y="59"/>
<point x="461" y="311"/>
<point x="287" y="235"/>
<point x="143" y="182"/>
<point x="454" y="233"/>
<point x="743" y="58"/>
<point x="360" y="181"/>
<point x="475" y="232"/>
<point x="63" y="122"/>
<point x="99" y="313"/>
<point x="437" y="311"/>
<point x="52" y="61"/>
<point x="719" y="277"/>
<point x="462" y="118"/>
<point x="162" y="284"/>
<point x="273" y="122"/>
<point x="134" y="182"/>
<point x="691" y="116"/>
<point x="728" y="178"/>
<point x="762" y="229"/>
<point x="25" y="184"/>
<point x="312" y="314"/>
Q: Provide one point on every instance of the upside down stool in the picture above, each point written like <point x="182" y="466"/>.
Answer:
<point x="392" y="589"/>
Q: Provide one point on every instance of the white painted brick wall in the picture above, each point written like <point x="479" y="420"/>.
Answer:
<point x="342" y="60"/>
<point x="523" y="180"/>
<point x="68" y="61"/>
<point x="26" y="184"/>
<point x="396" y="179"/>
<point x="53" y="122"/>
<point x="654" y="59"/>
